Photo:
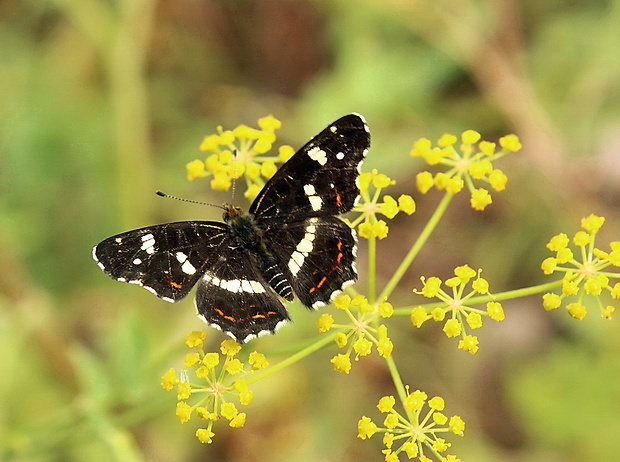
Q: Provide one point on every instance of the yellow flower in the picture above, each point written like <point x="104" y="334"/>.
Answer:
<point x="424" y="182"/>
<point x="234" y="366"/>
<point x="419" y="315"/>
<point x="191" y="359"/>
<point x="437" y="403"/>
<point x="169" y="379"/>
<point x="406" y="204"/>
<point x="237" y="421"/>
<point x="481" y="285"/>
<point x="268" y="169"/>
<point x="228" y="410"/>
<point x="386" y="404"/>
<point x="577" y="310"/>
<point x="195" y="169"/>
<point x="205" y="435"/>
<point x="549" y="265"/>
<point x="362" y="346"/>
<point x="195" y="339"/>
<point x="269" y="123"/>
<point x="385" y="309"/>
<point x="258" y="360"/>
<point x="285" y="152"/>
<point x="456" y="425"/>
<point x="229" y="347"/>
<point x="325" y="322"/>
<point x="474" y="320"/>
<point x="421" y="147"/>
<point x="480" y="198"/>
<point x="469" y="343"/>
<point x="495" y="311"/>
<point x="184" y="390"/>
<point x="452" y="328"/>
<point x="183" y="411"/>
<point x="366" y="428"/>
<point x="592" y="223"/>
<point x="446" y="139"/>
<point x="389" y="207"/>
<point x="558" y="242"/>
<point x="211" y="360"/>
<point x="470" y="136"/>
<point x="415" y="400"/>
<point x="551" y="301"/>
<point x="498" y="180"/>
<point x="342" y="301"/>
<point x="431" y="287"/>
<point x="390" y="421"/>
<point x="510" y="143"/>
<point x="341" y="363"/>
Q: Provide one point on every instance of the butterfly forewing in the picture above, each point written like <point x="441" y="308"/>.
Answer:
<point x="320" y="179"/>
<point x="166" y="259"/>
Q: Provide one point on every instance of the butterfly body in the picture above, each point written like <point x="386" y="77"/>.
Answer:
<point x="289" y="242"/>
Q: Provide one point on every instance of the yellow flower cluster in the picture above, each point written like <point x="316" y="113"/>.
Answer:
<point x="419" y="431"/>
<point x="222" y="376"/>
<point x="362" y="334"/>
<point x="371" y="184"/>
<point x="240" y="152"/>
<point x="461" y="315"/>
<point x="585" y="276"/>
<point x="473" y="160"/>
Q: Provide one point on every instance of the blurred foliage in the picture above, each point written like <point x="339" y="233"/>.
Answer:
<point x="102" y="102"/>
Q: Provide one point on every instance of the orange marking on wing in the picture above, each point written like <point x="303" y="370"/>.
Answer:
<point x="176" y="285"/>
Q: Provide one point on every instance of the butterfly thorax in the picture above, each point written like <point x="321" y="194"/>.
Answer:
<point x="244" y="227"/>
<point x="250" y="236"/>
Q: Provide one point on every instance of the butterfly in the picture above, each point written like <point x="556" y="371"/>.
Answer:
<point x="290" y="242"/>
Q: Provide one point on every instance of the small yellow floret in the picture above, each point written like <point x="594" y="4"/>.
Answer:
<point x="480" y="198"/>
<point x="592" y="223"/>
<point x="204" y="435"/>
<point x="342" y="363"/>
<point x="386" y="404"/>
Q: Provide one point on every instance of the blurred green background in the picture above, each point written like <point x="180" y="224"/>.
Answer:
<point x="102" y="102"/>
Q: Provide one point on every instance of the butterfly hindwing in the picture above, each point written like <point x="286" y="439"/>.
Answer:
<point x="320" y="179"/>
<point x="165" y="259"/>
<point x="317" y="256"/>
<point x="234" y="296"/>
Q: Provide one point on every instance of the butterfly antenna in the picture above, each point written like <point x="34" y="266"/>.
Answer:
<point x="182" y="199"/>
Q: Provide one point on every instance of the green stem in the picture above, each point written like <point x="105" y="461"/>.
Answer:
<point x="324" y="340"/>
<point x="415" y="249"/>
<point x="398" y="383"/>
<point x="372" y="268"/>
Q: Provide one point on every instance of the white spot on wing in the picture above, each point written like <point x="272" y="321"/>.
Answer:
<point x="315" y="201"/>
<point x="188" y="268"/>
<point x="318" y="155"/>
<point x="148" y="243"/>
<point x="340" y="156"/>
<point x="137" y="261"/>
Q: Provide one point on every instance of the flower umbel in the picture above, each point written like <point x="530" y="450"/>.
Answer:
<point x="470" y="161"/>
<point x="232" y="154"/>
<point x="413" y="432"/>
<point x="461" y="315"/>
<point x="219" y="378"/>
<point x="583" y="269"/>
<point x="364" y="332"/>
<point x="372" y="203"/>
